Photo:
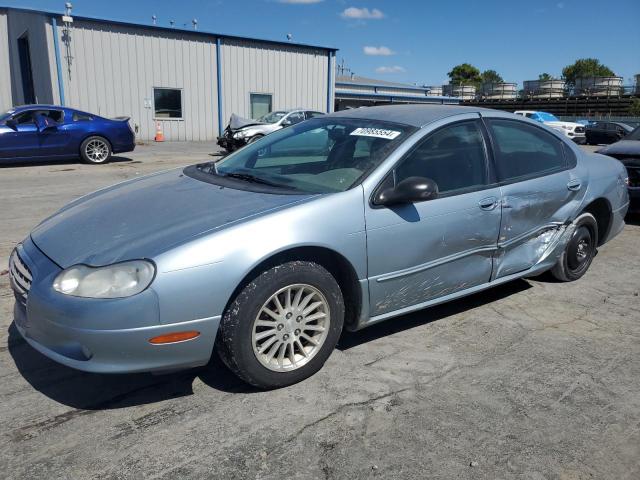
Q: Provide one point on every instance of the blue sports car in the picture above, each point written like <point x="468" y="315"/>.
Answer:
<point x="49" y="132"/>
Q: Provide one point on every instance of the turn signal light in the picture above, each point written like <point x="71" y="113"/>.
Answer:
<point x="174" y="337"/>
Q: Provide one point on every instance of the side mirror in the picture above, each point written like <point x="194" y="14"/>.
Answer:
<point x="286" y="122"/>
<point x="12" y="124"/>
<point x="44" y="123"/>
<point x="409" y="190"/>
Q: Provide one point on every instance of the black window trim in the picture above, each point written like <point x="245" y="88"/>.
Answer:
<point x="34" y="109"/>
<point x="489" y="170"/>
<point x="568" y="165"/>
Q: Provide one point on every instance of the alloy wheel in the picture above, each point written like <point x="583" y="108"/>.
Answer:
<point x="291" y="327"/>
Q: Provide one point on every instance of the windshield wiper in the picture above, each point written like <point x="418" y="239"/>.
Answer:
<point x="247" y="177"/>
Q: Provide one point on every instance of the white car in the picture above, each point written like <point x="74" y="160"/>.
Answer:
<point x="571" y="130"/>
<point x="242" y="131"/>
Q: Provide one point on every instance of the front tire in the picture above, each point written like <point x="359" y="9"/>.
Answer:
<point x="95" y="150"/>
<point x="580" y="250"/>
<point x="282" y="326"/>
<point x="255" y="138"/>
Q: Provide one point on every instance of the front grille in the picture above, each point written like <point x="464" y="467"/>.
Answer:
<point x="579" y="130"/>
<point x="20" y="277"/>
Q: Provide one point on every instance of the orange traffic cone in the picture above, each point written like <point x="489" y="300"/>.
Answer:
<point x="159" y="134"/>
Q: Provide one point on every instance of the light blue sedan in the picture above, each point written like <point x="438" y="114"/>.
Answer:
<point x="338" y="222"/>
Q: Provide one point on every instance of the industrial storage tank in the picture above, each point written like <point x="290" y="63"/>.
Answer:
<point x="553" y="88"/>
<point x="434" y="91"/>
<point x="499" y="91"/>
<point x="599" y="86"/>
<point x="465" y="92"/>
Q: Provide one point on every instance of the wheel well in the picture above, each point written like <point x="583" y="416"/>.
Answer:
<point x="96" y="135"/>
<point x="333" y="262"/>
<point x="601" y="210"/>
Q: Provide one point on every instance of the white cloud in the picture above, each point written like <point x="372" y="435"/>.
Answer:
<point x="394" y="69"/>
<point x="362" y="13"/>
<point x="300" y="2"/>
<point x="378" y="51"/>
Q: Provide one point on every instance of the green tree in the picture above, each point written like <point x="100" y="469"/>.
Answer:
<point x="634" y="108"/>
<point x="585" y="67"/>
<point x="491" y="76"/>
<point x="465" y="74"/>
<point x="543" y="77"/>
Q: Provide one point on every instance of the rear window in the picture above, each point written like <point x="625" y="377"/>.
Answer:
<point x="522" y="150"/>
<point x="82" y="117"/>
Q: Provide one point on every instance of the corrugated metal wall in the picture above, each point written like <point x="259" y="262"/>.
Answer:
<point x="115" y="68"/>
<point x="111" y="69"/>
<point x="38" y="28"/>
<point x="295" y="76"/>
<point x="6" y="100"/>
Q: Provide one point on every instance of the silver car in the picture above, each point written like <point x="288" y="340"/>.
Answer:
<point x="338" y="222"/>
<point x="241" y="131"/>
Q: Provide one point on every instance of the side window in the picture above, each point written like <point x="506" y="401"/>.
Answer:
<point x="55" y="115"/>
<point x="454" y="157"/>
<point x="314" y="114"/>
<point x="82" y="117"/>
<point x="521" y="150"/>
<point x="295" y="117"/>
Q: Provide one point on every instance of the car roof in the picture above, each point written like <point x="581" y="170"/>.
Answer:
<point x="41" y="106"/>
<point x="414" y="115"/>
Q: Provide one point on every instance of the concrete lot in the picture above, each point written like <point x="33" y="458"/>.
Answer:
<point x="531" y="380"/>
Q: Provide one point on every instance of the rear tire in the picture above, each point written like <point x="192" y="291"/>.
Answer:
<point x="580" y="250"/>
<point x="95" y="150"/>
<point x="282" y="326"/>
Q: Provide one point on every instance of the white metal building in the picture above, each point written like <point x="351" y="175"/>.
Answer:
<point x="352" y="91"/>
<point x="189" y="81"/>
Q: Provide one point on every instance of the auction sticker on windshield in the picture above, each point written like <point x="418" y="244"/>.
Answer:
<point x="376" y="132"/>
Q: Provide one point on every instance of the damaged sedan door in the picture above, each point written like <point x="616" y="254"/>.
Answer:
<point x="422" y="250"/>
<point x="541" y="188"/>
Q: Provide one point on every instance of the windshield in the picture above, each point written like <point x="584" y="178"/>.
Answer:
<point x="635" y="135"/>
<point x="272" y="117"/>
<point x="321" y="155"/>
<point x="547" y="117"/>
<point x="4" y="116"/>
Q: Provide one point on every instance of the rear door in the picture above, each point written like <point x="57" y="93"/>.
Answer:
<point x="540" y="186"/>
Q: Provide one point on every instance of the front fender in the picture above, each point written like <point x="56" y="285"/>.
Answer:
<point x="226" y="257"/>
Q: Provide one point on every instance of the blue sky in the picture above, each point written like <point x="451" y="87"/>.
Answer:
<point x="413" y="40"/>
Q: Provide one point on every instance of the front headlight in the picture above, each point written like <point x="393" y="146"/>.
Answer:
<point x="114" y="281"/>
<point x="240" y="134"/>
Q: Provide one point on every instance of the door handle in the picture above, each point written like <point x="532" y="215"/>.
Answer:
<point x="574" y="185"/>
<point x="488" y="203"/>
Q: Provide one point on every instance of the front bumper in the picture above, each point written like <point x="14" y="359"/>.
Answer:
<point x="103" y="335"/>
<point x="579" y="139"/>
<point x="229" y="143"/>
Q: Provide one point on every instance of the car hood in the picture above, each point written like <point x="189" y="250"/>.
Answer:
<point x="566" y="124"/>
<point x="237" y="122"/>
<point x="145" y="217"/>
<point x="623" y="147"/>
